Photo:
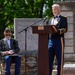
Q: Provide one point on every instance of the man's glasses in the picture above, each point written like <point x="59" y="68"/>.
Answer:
<point x="7" y="34"/>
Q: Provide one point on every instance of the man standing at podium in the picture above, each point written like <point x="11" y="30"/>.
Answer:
<point x="56" y="40"/>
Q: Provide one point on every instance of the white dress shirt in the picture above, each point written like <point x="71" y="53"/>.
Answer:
<point x="55" y="21"/>
<point x="8" y="42"/>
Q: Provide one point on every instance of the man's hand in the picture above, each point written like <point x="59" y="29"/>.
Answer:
<point x="10" y="52"/>
<point x="63" y="30"/>
<point x="5" y="53"/>
<point x="54" y="29"/>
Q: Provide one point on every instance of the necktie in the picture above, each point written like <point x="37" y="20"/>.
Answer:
<point x="55" y="17"/>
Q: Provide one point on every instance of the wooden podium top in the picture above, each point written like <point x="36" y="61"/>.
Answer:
<point x="46" y="29"/>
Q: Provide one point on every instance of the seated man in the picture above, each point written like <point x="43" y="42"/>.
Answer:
<point x="9" y="47"/>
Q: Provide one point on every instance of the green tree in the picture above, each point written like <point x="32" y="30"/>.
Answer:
<point x="10" y="9"/>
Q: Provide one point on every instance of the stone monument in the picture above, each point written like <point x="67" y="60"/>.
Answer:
<point x="23" y="33"/>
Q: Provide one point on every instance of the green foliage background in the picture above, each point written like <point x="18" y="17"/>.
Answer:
<point x="10" y="9"/>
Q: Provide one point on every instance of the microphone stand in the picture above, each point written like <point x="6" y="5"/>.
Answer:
<point x="26" y="38"/>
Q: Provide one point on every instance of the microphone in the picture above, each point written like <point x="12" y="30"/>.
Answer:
<point x="45" y="18"/>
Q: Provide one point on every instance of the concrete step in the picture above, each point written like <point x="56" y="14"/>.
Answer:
<point x="55" y="72"/>
<point x="68" y="69"/>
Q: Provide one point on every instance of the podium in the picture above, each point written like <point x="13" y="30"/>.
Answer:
<point x="43" y="32"/>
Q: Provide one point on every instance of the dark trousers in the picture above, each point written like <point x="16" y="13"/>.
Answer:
<point x="55" y="47"/>
<point x="12" y="59"/>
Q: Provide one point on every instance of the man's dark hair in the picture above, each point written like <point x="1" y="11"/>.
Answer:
<point x="7" y="30"/>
